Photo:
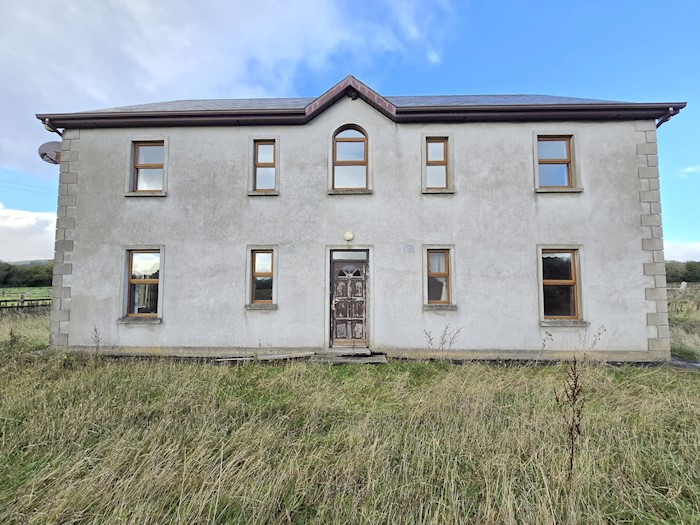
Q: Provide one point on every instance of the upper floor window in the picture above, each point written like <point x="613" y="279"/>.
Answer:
<point x="264" y="166"/>
<point x="436" y="163"/>
<point x="350" y="160"/>
<point x="554" y="166"/>
<point x="143" y="283"/>
<point x="148" y="166"/>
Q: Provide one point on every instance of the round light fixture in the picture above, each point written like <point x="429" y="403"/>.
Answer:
<point x="348" y="236"/>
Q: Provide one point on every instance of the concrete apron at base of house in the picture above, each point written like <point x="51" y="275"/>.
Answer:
<point x="640" y="356"/>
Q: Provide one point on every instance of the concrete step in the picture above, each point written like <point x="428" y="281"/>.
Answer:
<point x="326" y="359"/>
<point x="342" y="351"/>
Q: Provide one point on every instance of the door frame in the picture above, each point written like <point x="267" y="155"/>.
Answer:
<point x="369" y="281"/>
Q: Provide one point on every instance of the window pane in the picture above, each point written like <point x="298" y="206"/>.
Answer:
<point x="350" y="256"/>
<point x="266" y="153"/>
<point x="145" y="265"/>
<point x="265" y="178"/>
<point x="263" y="262"/>
<point x="436" y="176"/>
<point x="552" y="149"/>
<point x="350" y="151"/>
<point x="559" y="301"/>
<point x="150" y="155"/>
<point x="350" y="134"/>
<point x="350" y="177"/>
<point x="437" y="262"/>
<point x="436" y="151"/>
<point x="554" y="175"/>
<point x="149" y="179"/>
<point x="437" y="289"/>
<point x="556" y="266"/>
<point x="143" y="299"/>
<point x="262" y="289"/>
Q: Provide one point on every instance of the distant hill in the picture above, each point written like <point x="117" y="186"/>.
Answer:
<point x="35" y="262"/>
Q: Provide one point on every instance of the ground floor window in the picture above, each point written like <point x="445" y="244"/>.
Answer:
<point x="559" y="284"/>
<point x="439" y="277"/>
<point x="261" y="278"/>
<point x="143" y="283"/>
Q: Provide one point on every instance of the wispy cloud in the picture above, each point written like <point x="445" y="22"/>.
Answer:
<point x="684" y="172"/>
<point x="84" y="55"/>
<point x="681" y="251"/>
<point x="26" y="234"/>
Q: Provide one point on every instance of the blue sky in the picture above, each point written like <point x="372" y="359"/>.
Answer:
<point x="89" y="55"/>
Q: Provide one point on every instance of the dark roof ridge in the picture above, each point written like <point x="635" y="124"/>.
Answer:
<point x="402" y="108"/>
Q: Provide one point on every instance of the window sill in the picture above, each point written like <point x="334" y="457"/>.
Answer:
<point x="145" y="194"/>
<point x="360" y="191"/>
<point x="274" y="193"/>
<point x="438" y="191"/>
<point x="572" y="323"/>
<point x="438" y="307"/>
<point x="261" y="307"/>
<point x="140" y="320"/>
<point x="558" y="190"/>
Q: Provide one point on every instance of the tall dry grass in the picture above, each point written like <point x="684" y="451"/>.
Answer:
<point x="87" y="440"/>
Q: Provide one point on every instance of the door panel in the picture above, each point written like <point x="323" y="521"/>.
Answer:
<point x="349" y="302"/>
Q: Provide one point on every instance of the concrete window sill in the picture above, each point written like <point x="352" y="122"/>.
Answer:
<point x="140" y="320"/>
<point x="350" y="192"/>
<point x="436" y="191"/>
<point x="261" y="307"/>
<point x="438" y="307"/>
<point x="263" y="193"/>
<point x="572" y="323"/>
<point x="145" y="194"/>
<point x="558" y="190"/>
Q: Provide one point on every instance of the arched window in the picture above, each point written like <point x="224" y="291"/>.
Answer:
<point x="350" y="159"/>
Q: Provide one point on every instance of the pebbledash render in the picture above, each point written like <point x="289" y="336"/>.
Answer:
<point x="355" y="221"/>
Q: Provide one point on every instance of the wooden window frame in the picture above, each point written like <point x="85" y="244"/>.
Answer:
<point x="568" y="162"/>
<point x="573" y="282"/>
<point x="257" y="164"/>
<point x="131" y="280"/>
<point x="445" y="274"/>
<point x="337" y="162"/>
<point x="428" y="162"/>
<point x="254" y="274"/>
<point x="137" y="166"/>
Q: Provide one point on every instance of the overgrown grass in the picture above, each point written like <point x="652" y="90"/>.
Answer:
<point x="684" y="320"/>
<point x="88" y="440"/>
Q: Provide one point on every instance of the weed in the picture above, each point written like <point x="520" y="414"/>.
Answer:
<point x="570" y="404"/>
<point x="445" y="343"/>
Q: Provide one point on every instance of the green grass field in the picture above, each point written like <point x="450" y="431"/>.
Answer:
<point x="91" y="440"/>
<point x="35" y="292"/>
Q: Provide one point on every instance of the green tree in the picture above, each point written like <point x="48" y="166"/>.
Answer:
<point x="692" y="272"/>
<point x="674" y="271"/>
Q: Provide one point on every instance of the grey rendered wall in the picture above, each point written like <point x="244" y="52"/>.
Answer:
<point x="494" y="222"/>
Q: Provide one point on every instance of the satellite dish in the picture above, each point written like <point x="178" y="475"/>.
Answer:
<point x="50" y="152"/>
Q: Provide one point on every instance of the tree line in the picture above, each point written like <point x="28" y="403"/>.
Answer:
<point x="683" y="271"/>
<point x="16" y="276"/>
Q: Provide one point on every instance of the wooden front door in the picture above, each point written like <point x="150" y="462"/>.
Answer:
<point x="349" y="298"/>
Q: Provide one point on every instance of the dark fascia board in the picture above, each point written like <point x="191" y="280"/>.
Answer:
<point x="353" y="88"/>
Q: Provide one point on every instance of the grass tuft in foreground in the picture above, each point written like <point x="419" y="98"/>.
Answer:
<point x="87" y="440"/>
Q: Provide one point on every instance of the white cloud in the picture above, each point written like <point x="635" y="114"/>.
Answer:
<point x="433" y="57"/>
<point x="684" y="172"/>
<point x="26" y="234"/>
<point x="681" y="251"/>
<point x="79" y="55"/>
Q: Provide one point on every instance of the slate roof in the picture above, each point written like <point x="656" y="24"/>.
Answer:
<point x="290" y="111"/>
